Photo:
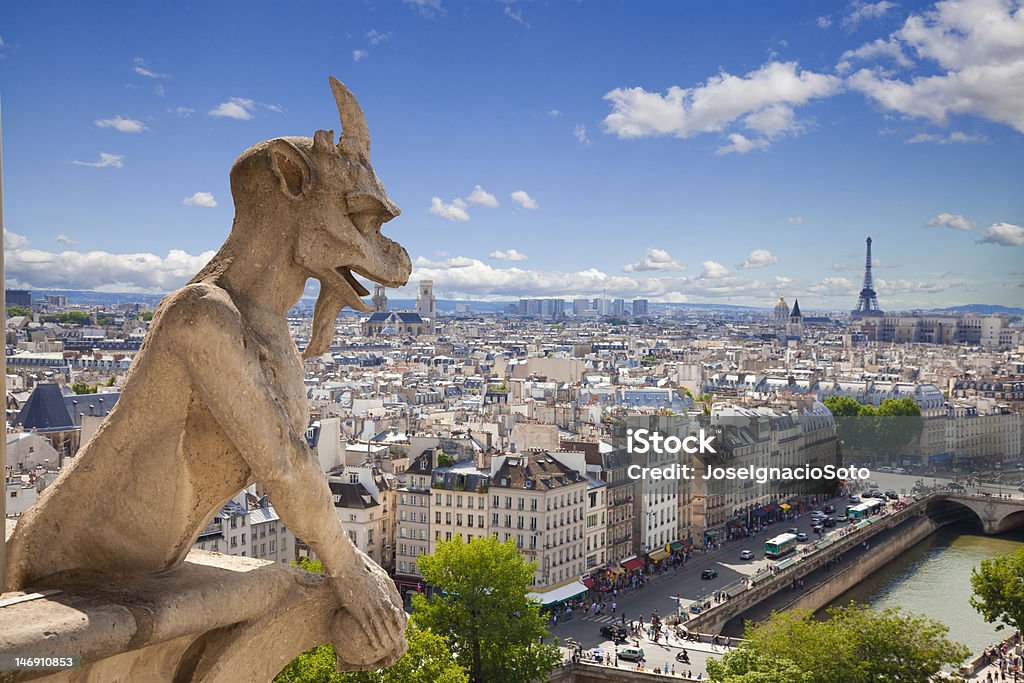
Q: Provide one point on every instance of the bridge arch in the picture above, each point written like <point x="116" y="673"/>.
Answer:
<point x="945" y="511"/>
<point x="993" y="514"/>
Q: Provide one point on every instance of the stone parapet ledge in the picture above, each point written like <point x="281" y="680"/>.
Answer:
<point x="215" y="619"/>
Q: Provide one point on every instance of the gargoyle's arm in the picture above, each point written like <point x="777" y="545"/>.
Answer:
<point x="209" y="340"/>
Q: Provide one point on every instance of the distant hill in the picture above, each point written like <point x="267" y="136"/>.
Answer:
<point x="984" y="309"/>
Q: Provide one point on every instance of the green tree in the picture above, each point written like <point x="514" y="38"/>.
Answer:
<point x="427" y="660"/>
<point x="13" y="311"/>
<point x="146" y="315"/>
<point x="854" y="645"/>
<point x="83" y="388"/>
<point x="744" y="665"/>
<point x="999" y="589"/>
<point x="480" y="603"/>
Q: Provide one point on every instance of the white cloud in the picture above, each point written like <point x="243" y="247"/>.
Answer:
<point x="509" y="255"/>
<point x="554" y="113"/>
<point x="861" y="11"/>
<point x="713" y="270"/>
<point x="950" y="220"/>
<point x="795" y="220"/>
<point x="579" y="131"/>
<point x="239" y="108"/>
<point x="654" y="259"/>
<point x="204" y="199"/>
<point x="142" y="69"/>
<point x="13" y="240"/>
<point x="824" y="21"/>
<point x="524" y="200"/>
<point x="977" y="47"/>
<point x="759" y="258"/>
<point x="1003" y="234"/>
<point x="102" y="271"/>
<point x="953" y="138"/>
<point x="516" y="16"/>
<point x="833" y="287"/>
<point x="376" y="37"/>
<point x="880" y="48"/>
<point x="122" y="124"/>
<point x="428" y="8"/>
<point x="111" y="160"/>
<point x="481" y="197"/>
<point x="183" y="112"/>
<point x="359" y="55"/>
<point x="761" y="101"/>
<point x="456" y="211"/>
<point x="65" y="240"/>
<point x="739" y="144"/>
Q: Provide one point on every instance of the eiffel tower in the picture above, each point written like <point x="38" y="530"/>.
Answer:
<point x="867" y="304"/>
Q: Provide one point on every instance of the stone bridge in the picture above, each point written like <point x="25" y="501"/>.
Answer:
<point x="994" y="514"/>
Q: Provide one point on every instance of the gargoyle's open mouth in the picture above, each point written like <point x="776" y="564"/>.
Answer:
<point x="355" y="284"/>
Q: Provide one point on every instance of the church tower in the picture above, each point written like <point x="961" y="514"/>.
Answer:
<point x="379" y="301"/>
<point x="426" y="304"/>
<point x="795" y="328"/>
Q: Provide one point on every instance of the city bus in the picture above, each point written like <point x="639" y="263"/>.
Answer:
<point x="780" y="545"/>
<point x="864" y="510"/>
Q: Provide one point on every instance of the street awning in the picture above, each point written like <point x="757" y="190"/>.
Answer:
<point x="632" y="565"/>
<point x="589" y="583"/>
<point x="759" y="512"/>
<point x="675" y="546"/>
<point x="559" y="594"/>
<point x="659" y="554"/>
<point x="785" y="506"/>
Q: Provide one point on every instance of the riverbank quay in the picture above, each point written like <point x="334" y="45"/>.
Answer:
<point x="748" y="594"/>
<point x="1003" y="661"/>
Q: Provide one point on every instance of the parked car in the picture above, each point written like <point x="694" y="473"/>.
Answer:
<point x="954" y="486"/>
<point x="854" y="499"/>
<point x="886" y="469"/>
<point x="631" y="653"/>
<point x="801" y="536"/>
<point x="818" y="529"/>
<point x="747" y="555"/>
<point x="829" y="522"/>
<point x="613" y="632"/>
<point x="841" y="518"/>
<point x="892" y="495"/>
<point x="793" y="530"/>
<point x="901" y="470"/>
<point x="829" y="508"/>
<point x="708" y="573"/>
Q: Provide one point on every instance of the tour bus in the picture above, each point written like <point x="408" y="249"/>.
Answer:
<point x="780" y="545"/>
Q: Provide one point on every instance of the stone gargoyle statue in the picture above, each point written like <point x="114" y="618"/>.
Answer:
<point x="214" y="400"/>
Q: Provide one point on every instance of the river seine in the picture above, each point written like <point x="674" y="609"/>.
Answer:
<point x="933" y="579"/>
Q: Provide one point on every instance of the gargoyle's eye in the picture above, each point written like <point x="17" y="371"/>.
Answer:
<point x="365" y="221"/>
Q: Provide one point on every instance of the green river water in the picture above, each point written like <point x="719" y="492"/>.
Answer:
<point x="933" y="578"/>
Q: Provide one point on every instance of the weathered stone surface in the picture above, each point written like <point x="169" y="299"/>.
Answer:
<point x="214" y="401"/>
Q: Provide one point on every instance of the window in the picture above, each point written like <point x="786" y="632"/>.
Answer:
<point x="353" y="478"/>
<point x="437" y="499"/>
<point x="243" y="539"/>
<point x="533" y="505"/>
<point x="263" y="548"/>
<point x="273" y="546"/>
<point x="437" y="518"/>
<point x="458" y="501"/>
<point x="352" y="537"/>
<point x="234" y="522"/>
<point x="234" y="541"/>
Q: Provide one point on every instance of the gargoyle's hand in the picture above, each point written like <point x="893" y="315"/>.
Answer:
<point x="369" y="631"/>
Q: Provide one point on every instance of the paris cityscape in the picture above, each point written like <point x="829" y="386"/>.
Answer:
<point x="663" y="351"/>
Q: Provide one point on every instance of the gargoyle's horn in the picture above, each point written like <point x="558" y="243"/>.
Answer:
<point x="353" y="121"/>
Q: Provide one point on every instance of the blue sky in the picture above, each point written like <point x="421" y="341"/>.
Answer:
<point x="705" y="152"/>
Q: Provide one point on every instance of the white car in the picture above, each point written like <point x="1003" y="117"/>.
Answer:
<point x="747" y="555"/>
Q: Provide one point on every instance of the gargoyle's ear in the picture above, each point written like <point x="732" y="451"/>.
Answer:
<point x="292" y="168"/>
